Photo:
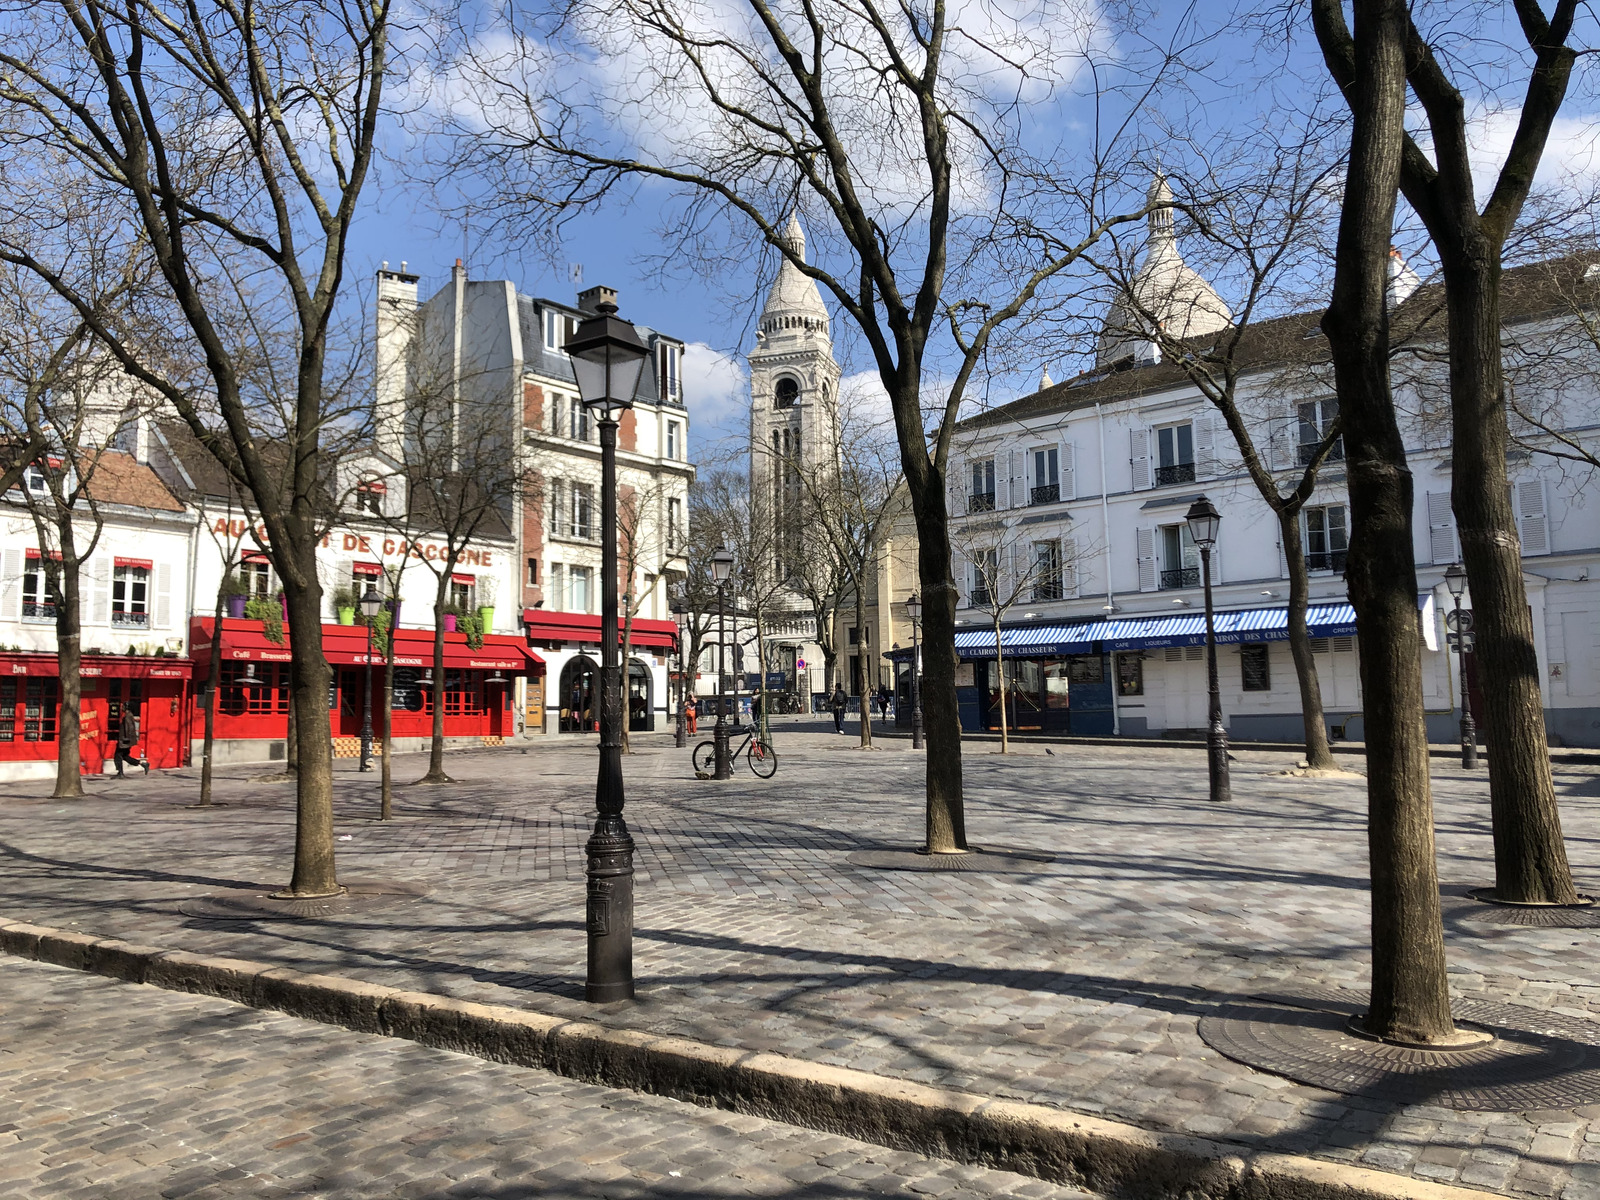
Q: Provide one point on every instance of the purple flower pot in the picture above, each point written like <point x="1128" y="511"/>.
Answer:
<point x="449" y="622"/>
<point x="236" y="606"/>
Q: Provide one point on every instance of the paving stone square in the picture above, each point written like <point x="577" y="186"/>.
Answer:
<point x="1078" y="984"/>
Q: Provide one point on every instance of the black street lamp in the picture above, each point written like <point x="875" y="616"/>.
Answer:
<point x="721" y="572"/>
<point x="914" y="611"/>
<point x="370" y="603"/>
<point x="681" y="737"/>
<point x="1204" y="521"/>
<point x="607" y="359"/>
<point x="1456" y="580"/>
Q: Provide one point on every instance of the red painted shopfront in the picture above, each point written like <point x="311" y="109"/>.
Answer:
<point x="155" y="688"/>
<point x="253" y="699"/>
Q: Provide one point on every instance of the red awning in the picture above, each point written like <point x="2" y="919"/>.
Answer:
<point x="346" y="645"/>
<point x="546" y="626"/>
<point x="98" y="666"/>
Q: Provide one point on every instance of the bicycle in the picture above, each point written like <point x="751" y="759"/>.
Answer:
<point x="763" y="759"/>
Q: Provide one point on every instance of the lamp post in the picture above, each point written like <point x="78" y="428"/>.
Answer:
<point x="370" y="603"/>
<point x="721" y="572"/>
<point x="1456" y="580"/>
<point x="1204" y="519"/>
<point x="607" y="359"/>
<point x="914" y="611"/>
<point x="681" y="736"/>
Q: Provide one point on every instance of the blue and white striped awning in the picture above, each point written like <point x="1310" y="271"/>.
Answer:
<point x="1037" y="639"/>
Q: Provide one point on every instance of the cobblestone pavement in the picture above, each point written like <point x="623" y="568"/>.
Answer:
<point x="1079" y="985"/>
<point x="108" y="1089"/>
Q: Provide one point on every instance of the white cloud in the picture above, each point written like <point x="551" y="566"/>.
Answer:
<point x="1571" y="160"/>
<point x="716" y="388"/>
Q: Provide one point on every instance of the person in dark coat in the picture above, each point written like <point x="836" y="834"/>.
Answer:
<point x="127" y="739"/>
<point x="838" y="705"/>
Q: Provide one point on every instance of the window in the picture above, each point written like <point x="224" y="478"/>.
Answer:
<point x="985" y="577"/>
<point x="557" y="589"/>
<point x="1175" y="454"/>
<point x="1326" y="540"/>
<point x="533" y="572"/>
<point x="369" y="497"/>
<point x="579" y="577"/>
<point x="256" y="574"/>
<point x="35" y="482"/>
<point x="582" y="512"/>
<point x="1180" y="558"/>
<point x="1046" y="476"/>
<point x="579" y="426"/>
<point x="464" y="592"/>
<point x="671" y="382"/>
<point x="8" y="710"/>
<point x="38" y="598"/>
<point x="463" y="693"/>
<point x="981" y="497"/>
<point x="39" y="710"/>
<point x="130" y="591"/>
<point x="787" y="392"/>
<point x="1316" y="418"/>
<point x="674" y="450"/>
<point x="1130" y="674"/>
<point x="674" y="521"/>
<point x="1047" y="570"/>
<point x="1253" y="667"/>
<point x="558" y="327"/>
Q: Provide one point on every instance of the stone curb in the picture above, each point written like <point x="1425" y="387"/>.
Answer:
<point x="1092" y="1153"/>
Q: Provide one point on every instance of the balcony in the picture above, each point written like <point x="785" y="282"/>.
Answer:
<point x="1177" y="473"/>
<point x="1307" y="450"/>
<point x="33" y="611"/>
<point x="1327" y="560"/>
<point x="130" y="620"/>
<point x="981" y="597"/>
<point x="1183" y="577"/>
<point x="1047" y="493"/>
<point x="980" y="502"/>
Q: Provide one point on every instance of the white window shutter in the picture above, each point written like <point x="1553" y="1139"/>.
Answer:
<point x="1533" y="526"/>
<point x="1145" y="542"/>
<point x="163" y="613"/>
<point x="1140" y="458"/>
<point x="1069" y="567"/>
<point x="1019" y="488"/>
<point x="1029" y="480"/>
<point x="1002" y="480"/>
<point x="1205" y="447"/>
<point x="1069" y="471"/>
<point x="956" y="481"/>
<point x="100" y="591"/>
<point x="1441" y="529"/>
<point x="1280" y="446"/>
<point x="11" y="584"/>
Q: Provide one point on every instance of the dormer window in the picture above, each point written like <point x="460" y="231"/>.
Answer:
<point x="788" y="391"/>
<point x="558" y="327"/>
<point x="670" y="372"/>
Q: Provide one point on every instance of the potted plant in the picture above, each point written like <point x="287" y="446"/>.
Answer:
<point x="234" y="595"/>
<point x="344" y="603"/>
<point x="452" y="617"/>
<point x="471" y="624"/>
<point x="269" y="611"/>
<point x="488" y="586"/>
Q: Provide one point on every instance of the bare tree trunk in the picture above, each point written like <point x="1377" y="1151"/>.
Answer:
<point x="1318" y="754"/>
<point x="863" y="646"/>
<point x="1000" y="684"/>
<point x="627" y="676"/>
<point x="69" y="657"/>
<point x="386" y="806"/>
<point x="436" y="747"/>
<point x="314" y="873"/>
<point x="1410" y="998"/>
<point x="291" y="733"/>
<point x="765" y="724"/>
<point x="941" y="714"/>
<point x="1530" y="856"/>
<point x="213" y="681"/>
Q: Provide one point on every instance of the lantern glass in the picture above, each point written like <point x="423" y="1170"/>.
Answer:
<point x="371" y="602"/>
<point x="607" y="361"/>
<point x="914" y="607"/>
<point x="1455" y="579"/>
<point x="1204" y="520"/>
<point x="721" y="565"/>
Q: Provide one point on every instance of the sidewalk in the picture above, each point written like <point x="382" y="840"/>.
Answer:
<point x="1077" y="986"/>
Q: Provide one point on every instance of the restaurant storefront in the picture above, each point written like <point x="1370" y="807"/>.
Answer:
<point x="480" y="688"/>
<point x="156" y="688"/>
<point x="570" y="643"/>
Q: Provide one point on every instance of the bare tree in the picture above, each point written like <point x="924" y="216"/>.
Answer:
<point x="228" y="536"/>
<point x="644" y="554"/>
<point x="895" y="129"/>
<point x="1529" y="852"/>
<point x="233" y="144"/>
<point x="1410" y="1000"/>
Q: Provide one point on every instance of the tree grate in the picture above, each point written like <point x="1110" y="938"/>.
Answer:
<point x="1537" y="1059"/>
<point x="994" y="862"/>
<point x="359" y="898"/>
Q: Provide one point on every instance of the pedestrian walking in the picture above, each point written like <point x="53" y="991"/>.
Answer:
<point x="838" y="704"/>
<point x="693" y="709"/>
<point x="127" y="739"/>
<point x="883" y="702"/>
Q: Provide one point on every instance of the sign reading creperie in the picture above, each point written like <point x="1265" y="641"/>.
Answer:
<point x="359" y="543"/>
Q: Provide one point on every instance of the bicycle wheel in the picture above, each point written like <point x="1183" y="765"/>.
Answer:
<point x="763" y="759"/>
<point x="705" y="758"/>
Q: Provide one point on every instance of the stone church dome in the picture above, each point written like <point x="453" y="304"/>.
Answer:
<point x="794" y="303"/>
<point x="1183" y="303"/>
